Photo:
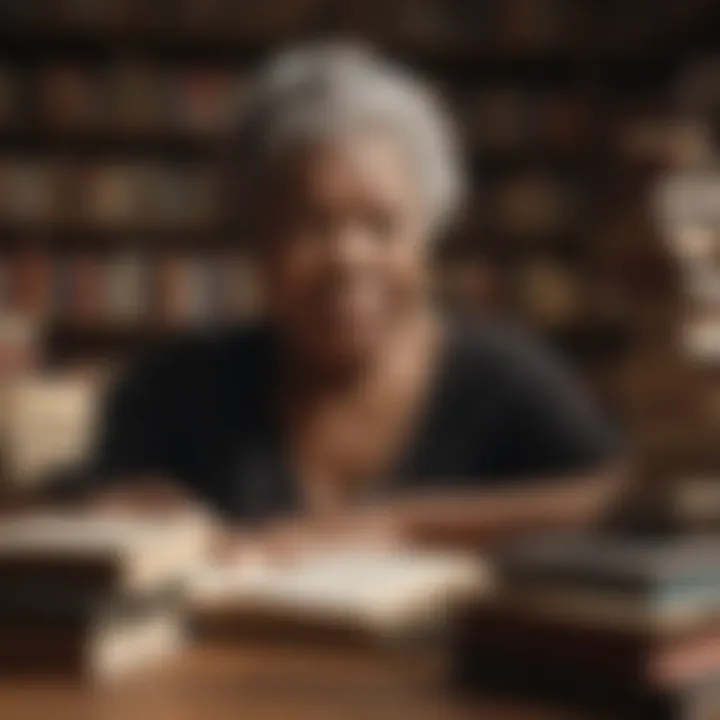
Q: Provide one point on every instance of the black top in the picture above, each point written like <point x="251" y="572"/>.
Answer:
<point x="500" y="410"/>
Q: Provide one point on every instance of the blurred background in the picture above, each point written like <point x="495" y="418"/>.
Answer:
<point x="590" y="133"/>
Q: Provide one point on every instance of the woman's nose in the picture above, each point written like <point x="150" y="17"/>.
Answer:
<point x="350" y="245"/>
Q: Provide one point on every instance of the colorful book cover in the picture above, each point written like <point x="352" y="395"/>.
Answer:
<point x="139" y="97"/>
<point x="86" y="286"/>
<point x="202" y="100"/>
<point x="30" y="192"/>
<point x="71" y="96"/>
<point x="112" y="194"/>
<point x="127" y="289"/>
<point x="29" y="282"/>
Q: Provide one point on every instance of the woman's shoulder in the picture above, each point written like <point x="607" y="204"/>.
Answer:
<point x="499" y="349"/>
<point x="193" y="359"/>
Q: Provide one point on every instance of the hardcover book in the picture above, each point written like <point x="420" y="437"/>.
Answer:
<point x="112" y="553"/>
<point x="101" y="649"/>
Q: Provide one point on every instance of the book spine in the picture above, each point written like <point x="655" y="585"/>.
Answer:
<point x="586" y="579"/>
<point x="29" y="282"/>
<point x="86" y="288"/>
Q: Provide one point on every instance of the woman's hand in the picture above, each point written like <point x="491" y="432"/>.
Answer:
<point x="143" y="496"/>
<point x="289" y="539"/>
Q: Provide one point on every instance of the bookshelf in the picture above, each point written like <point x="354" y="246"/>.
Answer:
<point x="111" y="113"/>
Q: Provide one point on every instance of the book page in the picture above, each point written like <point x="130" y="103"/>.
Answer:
<point x="351" y="583"/>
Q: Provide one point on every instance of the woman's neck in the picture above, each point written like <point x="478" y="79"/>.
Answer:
<point x="345" y="430"/>
<point x="407" y="346"/>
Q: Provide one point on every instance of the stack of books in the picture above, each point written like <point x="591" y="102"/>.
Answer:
<point x="93" y="596"/>
<point x="624" y="623"/>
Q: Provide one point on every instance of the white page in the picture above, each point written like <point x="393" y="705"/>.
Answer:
<point x="353" y="583"/>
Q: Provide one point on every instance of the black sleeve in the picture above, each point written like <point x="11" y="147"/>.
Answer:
<point x="552" y="426"/>
<point x="137" y="429"/>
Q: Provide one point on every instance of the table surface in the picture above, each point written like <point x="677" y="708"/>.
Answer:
<point x="265" y="682"/>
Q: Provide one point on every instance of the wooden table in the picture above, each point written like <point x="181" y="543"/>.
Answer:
<point x="264" y="682"/>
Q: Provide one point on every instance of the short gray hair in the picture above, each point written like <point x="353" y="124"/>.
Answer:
<point x="318" y="90"/>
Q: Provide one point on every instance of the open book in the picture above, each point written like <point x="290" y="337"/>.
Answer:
<point x="367" y="591"/>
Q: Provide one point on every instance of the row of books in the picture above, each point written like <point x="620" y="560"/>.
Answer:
<point x="42" y="192"/>
<point x="135" y="285"/>
<point x="510" y="25"/>
<point x="189" y="15"/>
<point x="126" y="288"/>
<point x="134" y="96"/>
<point x="56" y="191"/>
<point x="134" y="14"/>
<point x="532" y="204"/>
<point x="126" y="95"/>
<point x="514" y="117"/>
<point x="546" y="292"/>
<point x="505" y="24"/>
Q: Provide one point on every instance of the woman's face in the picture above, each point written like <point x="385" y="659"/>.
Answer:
<point x="344" y="251"/>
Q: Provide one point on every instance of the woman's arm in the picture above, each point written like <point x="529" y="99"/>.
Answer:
<point x="479" y="517"/>
<point x="447" y="519"/>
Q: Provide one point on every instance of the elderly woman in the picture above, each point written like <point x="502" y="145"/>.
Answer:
<point x="354" y="396"/>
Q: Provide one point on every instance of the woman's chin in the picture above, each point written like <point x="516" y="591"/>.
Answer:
<point x="346" y="349"/>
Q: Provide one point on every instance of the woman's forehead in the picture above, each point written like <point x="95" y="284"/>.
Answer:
<point x="370" y="163"/>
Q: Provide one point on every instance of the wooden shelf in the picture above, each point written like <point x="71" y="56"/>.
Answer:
<point x="109" y="329"/>
<point x="162" y="143"/>
<point x="67" y="341"/>
<point x="504" y="245"/>
<point x="611" y="66"/>
<point x="592" y="343"/>
<point x="584" y="343"/>
<point x="16" y="236"/>
<point x="29" y="42"/>
<point x="107" y="143"/>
